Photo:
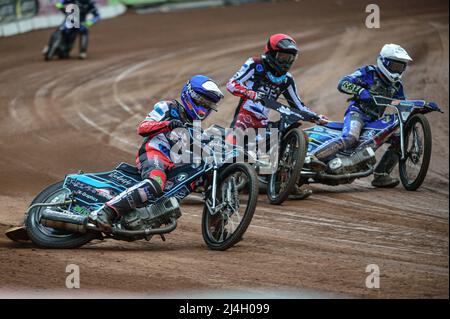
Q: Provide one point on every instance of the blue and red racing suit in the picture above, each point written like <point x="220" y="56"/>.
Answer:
<point x="153" y="157"/>
<point x="364" y="82"/>
<point x="253" y="78"/>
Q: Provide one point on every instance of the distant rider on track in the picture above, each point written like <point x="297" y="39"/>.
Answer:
<point x="85" y="7"/>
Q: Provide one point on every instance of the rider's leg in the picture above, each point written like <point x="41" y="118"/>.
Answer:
<point x="84" y="40"/>
<point x="243" y="122"/>
<point x="382" y="177"/>
<point x="152" y="165"/>
<point x="134" y="197"/>
<point x="353" y="124"/>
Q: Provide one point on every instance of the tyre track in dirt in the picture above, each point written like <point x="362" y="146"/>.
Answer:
<point x="58" y="117"/>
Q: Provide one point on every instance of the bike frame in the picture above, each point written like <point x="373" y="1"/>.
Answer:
<point x="404" y="109"/>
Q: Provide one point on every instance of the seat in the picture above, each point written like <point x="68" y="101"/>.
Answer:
<point x="129" y="170"/>
<point x="335" y="125"/>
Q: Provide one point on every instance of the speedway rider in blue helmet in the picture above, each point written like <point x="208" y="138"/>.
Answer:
<point x="384" y="79"/>
<point x="199" y="97"/>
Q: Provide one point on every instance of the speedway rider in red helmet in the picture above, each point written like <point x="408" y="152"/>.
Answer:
<point x="267" y="76"/>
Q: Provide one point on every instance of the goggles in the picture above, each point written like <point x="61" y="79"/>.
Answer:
<point x="395" y="66"/>
<point x="285" y="58"/>
<point x="202" y="100"/>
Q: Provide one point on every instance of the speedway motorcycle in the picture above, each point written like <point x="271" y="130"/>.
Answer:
<point x="407" y="120"/>
<point x="290" y="152"/>
<point x="62" y="215"/>
<point x="61" y="43"/>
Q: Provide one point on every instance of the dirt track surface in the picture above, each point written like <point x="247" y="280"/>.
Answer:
<point x="58" y="117"/>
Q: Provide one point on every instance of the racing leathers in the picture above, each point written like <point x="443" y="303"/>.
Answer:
<point x="252" y="81"/>
<point x="153" y="158"/>
<point x="85" y="7"/>
<point x="364" y="83"/>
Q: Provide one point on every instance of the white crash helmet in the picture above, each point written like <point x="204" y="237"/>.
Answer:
<point x="392" y="61"/>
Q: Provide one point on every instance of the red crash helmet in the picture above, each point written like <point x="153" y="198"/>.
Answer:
<point x="280" y="53"/>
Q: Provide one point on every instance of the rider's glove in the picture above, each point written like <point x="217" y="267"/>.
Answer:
<point x="88" y="23"/>
<point x="260" y="96"/>
<point x="251" y="95"/>
<point x="322" y="120"/>
<point x="173" y="124"/>
<point x="255" y="96"/>
<point x="365" y="96"/>
<point x="59" y="6"/>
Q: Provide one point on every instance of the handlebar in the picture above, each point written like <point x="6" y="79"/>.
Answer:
<point x="294" y="115"/>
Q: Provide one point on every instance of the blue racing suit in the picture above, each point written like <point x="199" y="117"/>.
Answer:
<point x="363" y="84"/>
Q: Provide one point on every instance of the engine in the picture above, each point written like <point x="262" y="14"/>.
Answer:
<point x="360" y="161"/>
<point x="152" y="216"/>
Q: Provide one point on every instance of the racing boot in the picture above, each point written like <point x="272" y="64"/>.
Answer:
<point x="83" y="46"/>
<point x="299" y="194"/>
<point x="382" y="178"/>
<point x="104" y="218"/>
<point x="134" y="197"/>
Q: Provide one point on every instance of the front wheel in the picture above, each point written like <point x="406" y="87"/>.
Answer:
<point x="47" y="237"/>
<point x="235" y="204"/>
<point x="291" y="158"/>
<point x="418" y="141"/>
<point x="53" y="46"/>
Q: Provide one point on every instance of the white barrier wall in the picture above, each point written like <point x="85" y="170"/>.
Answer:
<point x="52" y="20"/>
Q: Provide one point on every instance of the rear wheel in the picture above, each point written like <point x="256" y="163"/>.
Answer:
<point x="224" y="228"/>
<point x="291" y="158"/>
<point x="418" y="141"/>
<point x="47" y="237"/>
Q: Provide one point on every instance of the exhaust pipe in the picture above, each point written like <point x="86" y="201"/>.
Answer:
<point x="80" y="224"/>
<point x="337" y="177"/>
<point x="64" y="221"/>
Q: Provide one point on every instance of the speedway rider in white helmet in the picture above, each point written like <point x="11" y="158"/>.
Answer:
<point x="384" y="79"/>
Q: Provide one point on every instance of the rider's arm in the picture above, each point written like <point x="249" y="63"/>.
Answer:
<point x="156" y="122"/>
<point x="400" y="93"/>
<point x="94" y="11"/>
<point x="60" y="5"/>
<point x="292" y="97"/>
<point x="353" y="83"/>
<point x="236" y="84"/>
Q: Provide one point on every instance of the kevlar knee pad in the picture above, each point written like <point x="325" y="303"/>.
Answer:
<point x="350" y="141"/>
<point x="136" y="196"/>
<point x="329" y="149"/>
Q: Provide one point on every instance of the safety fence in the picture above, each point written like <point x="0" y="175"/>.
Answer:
<point x="19" y="16"/>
